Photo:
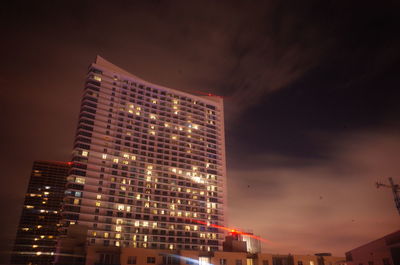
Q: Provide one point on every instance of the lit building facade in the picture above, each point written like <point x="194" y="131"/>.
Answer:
<point x="253" y="245"/>
<point x="149" y="164"/>
<point x="37" y="231"/>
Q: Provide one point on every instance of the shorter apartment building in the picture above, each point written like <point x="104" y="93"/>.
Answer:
<point x="383" y="251"/>
<point x="98" y="255"/>
<point x="72" y="250"/>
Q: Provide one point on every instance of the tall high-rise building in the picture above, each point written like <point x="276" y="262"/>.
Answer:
<point x="37" y="232"/>
<point x="149" y="164"/>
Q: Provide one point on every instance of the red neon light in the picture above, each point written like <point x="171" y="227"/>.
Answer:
<point x="234" y="231"/>
<point x="207" y="94"/>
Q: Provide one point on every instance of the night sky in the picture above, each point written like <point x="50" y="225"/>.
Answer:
<point x="311" y="89"/>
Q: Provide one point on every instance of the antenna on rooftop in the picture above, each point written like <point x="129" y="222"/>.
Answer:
<point x="395" y="189"/>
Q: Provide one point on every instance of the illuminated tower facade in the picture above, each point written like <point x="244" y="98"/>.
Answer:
<point x="37" y="232"/>
<point x="149" y="164"/>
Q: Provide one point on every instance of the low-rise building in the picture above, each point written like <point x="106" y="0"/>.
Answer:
<point x="235" y="253"/>
<point x="383" y="251"/>
<point x="99" y="255"/>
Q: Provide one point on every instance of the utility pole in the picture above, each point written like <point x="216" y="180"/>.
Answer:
<point x="395" y="189"/>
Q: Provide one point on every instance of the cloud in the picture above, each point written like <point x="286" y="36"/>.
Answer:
<point x="329" y="205"/>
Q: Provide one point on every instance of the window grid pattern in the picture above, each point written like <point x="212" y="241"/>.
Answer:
<point x="149" y="166"/>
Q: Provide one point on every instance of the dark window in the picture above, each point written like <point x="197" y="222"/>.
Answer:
<point x="132" y="260"/>
<point x="238" y="262"/>
<point x="349" y="256"/>
<point x="222" y="262"/>
<point x="151" y="260"/>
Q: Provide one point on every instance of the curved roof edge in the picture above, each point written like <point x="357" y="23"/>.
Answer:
<point x="103" y="62"/>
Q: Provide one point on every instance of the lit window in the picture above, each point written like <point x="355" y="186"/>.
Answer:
<point x="80" y="180"/>
<point x="97" y="78"/>
<point x="204" y="260"/>
<point x="115" y="160"/>
<point x="104" y="156"/>
<point x="85" y="153"/>
<point x="98" y="196"/>
<point x="118" y="228"/>
<point x="98" y="204"/>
